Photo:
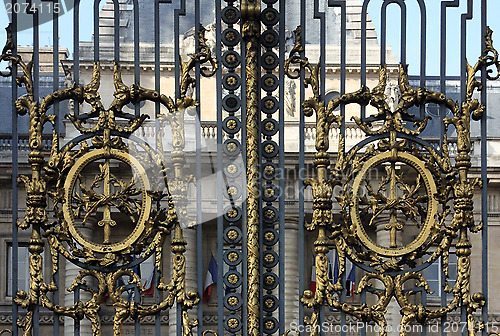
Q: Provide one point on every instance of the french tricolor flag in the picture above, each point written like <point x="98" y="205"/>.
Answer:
<point x="148" y="284"/>
<point x="351" y="281"/>
<point x="210" y="280"/>
<point x="313" y="276"/>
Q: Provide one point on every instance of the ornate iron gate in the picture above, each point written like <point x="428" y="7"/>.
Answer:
<point x="134" y="181"/>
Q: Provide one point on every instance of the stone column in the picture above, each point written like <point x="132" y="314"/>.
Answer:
<point x="393" y="316"/>
<point x="70" y="274"/>
<point x="292" y="295"/>
<point x="191" y="278"/>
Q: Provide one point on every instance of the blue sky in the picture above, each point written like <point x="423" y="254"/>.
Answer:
<point x="433" y="29"/>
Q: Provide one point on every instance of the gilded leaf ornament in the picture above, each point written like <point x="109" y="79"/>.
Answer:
<point x="397" y="199"/>
<point x="79" y="201"/>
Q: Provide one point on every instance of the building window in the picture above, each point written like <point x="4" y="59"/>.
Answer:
<point x="5" y="198"/>
<point x="493" y="203"/>
<point x="22" y="269"/>
<point x="433" y="274"/>
<point x="290" y="189"/>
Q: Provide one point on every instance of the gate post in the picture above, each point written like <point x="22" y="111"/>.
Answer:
<point x="250" y="12"/>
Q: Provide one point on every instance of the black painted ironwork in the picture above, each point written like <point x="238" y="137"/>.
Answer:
<point x="151" y="40"/>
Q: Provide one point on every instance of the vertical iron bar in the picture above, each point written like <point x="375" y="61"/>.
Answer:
<point x="343" y="55"/>
<point x="96" y="32"/>
<point x="423" y="44"/>
<point x="383" y="33"/>
<point x="343" y="60"/>
<point x="15" y="165"/>
<point x="281" y="160"/>
<point x="137" y="48"/>
<point x="442" y="69"/>
<point x="423" y="49"/>
<point x="364" y="15"/>
<point x="76" y="298"/>
<point x="343" y="297"/>
<point x="442" y="115"/>
<point x="137" y="299"/>
<point x="76" y="46"/>
<point x="424" y="303"/>
<point x="365" y="323"/>
<point x="220" y="181"/>
<point x="177" y="13"/>
<point x="244" y="224"/>
<point x="55" y="87"/>
<point x="157" y="128"/>
<point x="137" y="80"/>
<point x="36" y="96"/>
<point x="443" y="296"/>
<point x="484" y="173"/>
<point x="116" y="37"/>
<point x="199" y="219"/>
<point x="301" y="238"/>
<point x="402" y="56"/>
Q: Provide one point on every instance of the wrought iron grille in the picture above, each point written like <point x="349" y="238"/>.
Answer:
<point x="244" y="168"/>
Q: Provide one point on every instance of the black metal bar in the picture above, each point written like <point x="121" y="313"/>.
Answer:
<point x="116" y="37"/>
<point x="423" y="49"/>
<point x="76" y="298"/>
<point x="442" y="68"/>
<point x="301" y="219"/>
<point x="484" y="173"/>
<point x="55" y="87"/>
<point x="383" y="31"/>
<point x="244" y="249"/>
<point x="343" y="297"/>
<point x="364" y="16"/>
<point x="76" y="49"/>
<point x="424" y="303"/>
<point x="423" y="43"/>
<point x="177" y="14"/>
<point x="137" y="48"/>
<point x="363" y="301"/>
<point x="157" y="128"/>
<point x="220" y="181"/>
<point x="137" y="300"/>
<point x="199" y="217"/>
<point x="402" y="57"/>
<point x="36" y="97"/>
<point x="15" y="167"/>
<point x="96" y="32"/>
<point x="281" y="160"/>
<point x="443" y="295"/>
<point x="343" y="56"/>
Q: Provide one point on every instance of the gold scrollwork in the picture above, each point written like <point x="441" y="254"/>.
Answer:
<point x="438" y="179"/>
<point x="62" y="174"/>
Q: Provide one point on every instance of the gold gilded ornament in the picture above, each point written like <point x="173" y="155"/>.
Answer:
<point x="396" y="200"/>
<point x="119" y="198"/>
<point x="62" y="179"/>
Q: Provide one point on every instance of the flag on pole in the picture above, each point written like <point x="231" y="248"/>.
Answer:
<point x="148" y="284"/>
<point x="313" y="276"/>
<point x="336" y="268"/>
<point x="211" y="279"/>
<point x="351" y="281"/>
